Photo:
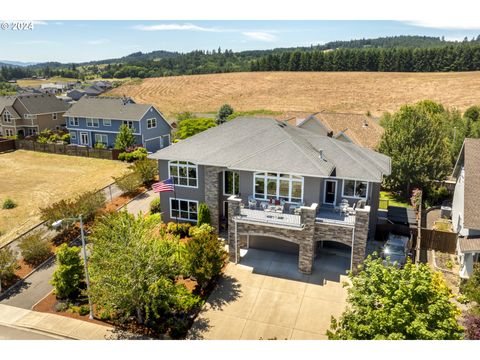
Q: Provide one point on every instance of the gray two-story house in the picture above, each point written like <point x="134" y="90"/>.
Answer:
<point x="94" y="120"/>
<point x="276" y="186"/>
<point x="29" y="114"/>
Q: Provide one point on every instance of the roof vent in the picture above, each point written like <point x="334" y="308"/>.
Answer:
<point x="320" y="154"/>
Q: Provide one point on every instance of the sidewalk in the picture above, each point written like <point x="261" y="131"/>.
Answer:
<point x="141" y="203"/>
<point x="57" y="325"/>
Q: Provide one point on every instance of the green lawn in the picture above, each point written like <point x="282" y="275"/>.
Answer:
<point x="388" y="199"/>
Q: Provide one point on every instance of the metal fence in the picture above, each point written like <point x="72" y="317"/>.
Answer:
<point x="67" y="149"/>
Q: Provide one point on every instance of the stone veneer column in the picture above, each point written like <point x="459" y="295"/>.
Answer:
<point x="233" y="210"/>
<point x="212" y="193"/>
<point x="306" y="254"/>
<point x="360" y="238"/>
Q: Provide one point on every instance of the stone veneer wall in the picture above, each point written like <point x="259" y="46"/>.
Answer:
<point x="212" y="193"/>
<point x="305" y="237"/>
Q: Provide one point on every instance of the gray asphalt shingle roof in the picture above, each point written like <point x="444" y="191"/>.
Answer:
<point x="261" y="144"/>
<point x="42" y="103"/>
<point x="107" y="108"/>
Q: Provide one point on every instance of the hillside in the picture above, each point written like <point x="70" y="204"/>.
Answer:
<point x="356" y="92"/>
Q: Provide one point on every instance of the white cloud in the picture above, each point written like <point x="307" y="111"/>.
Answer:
<point x="448" y="24"/>
<point x="260" y="36"/>
<point x="98" y="41"/>
<point x="39" y="22"/>
<point x="181" y="27"/>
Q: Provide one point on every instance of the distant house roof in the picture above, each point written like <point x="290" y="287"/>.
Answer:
<point x="262" y="144"/>
<point x="93" y="90"/>
<point x="35" y="103"/>
<point x="358" y="128"/>
<point x="108" y="108"/>
<point x="469" y="159"/>
<point x="6" y="102"/>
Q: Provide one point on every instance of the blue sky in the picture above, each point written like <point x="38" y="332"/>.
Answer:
<point x="77" y="41"/>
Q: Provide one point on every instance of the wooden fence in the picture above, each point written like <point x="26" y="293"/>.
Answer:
<point x="7" y="145"/>
<point x="431" y="239"/>
<point x="442" y="241"/>
<point x="74" y="150"/>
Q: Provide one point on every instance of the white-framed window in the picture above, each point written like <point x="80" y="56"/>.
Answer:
<point x="231" y="182"/>
<point x="54" y="116"/>
<point x="7" y="117"/>
<point x="184" y="173"/>
<point x="355" y="189"/>
<point x="9" y="132"/>
<point x="151" y="123"/>
<point x="107" y="122"/>
<point x="183" y="209"/>
<point x="73" y="135"/>
<point x="129" y="124"/>
<point x="31" y="131"/>
<point x="83" y="138"/>
<point x="73" y="121"/>
<point x="101" y="138"/>
<point x="278" y="186"/>
<point x="93" y="123"/>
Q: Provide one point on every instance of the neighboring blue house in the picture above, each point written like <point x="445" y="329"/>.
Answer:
<point x="95" y="120"/>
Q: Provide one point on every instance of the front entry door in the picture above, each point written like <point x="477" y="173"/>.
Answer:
<point x="330" y="191"/>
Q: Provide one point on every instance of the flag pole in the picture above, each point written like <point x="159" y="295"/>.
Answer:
<point x="175" y="198"/>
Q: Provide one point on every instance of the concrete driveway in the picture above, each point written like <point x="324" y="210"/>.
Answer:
<point x="266" y="297"/>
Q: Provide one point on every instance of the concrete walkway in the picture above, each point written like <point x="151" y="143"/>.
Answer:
<point x="141" y="203"/>
<point x="266" y="297"/>
<point x="53" y="325"/>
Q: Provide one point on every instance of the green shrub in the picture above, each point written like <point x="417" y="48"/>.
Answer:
<point x="84" y="310"/>
<point x="69" y="273"/>
<point x="125" y="138"/>
<point x="471" y="287"/>
<point x="190" y="127"/>
<point x="61" y="306"/>
<point x="66" y="138"/>
<point x="100" y="145"/>
<point x="54" y="138"/>
<point x="155" y="206"/>
<point x="147" y="169"/>
<point x="8" y="264"/>
<point x="86" y="204"/>
<point x="135" y="155"/>
<point x="224" y="112"/>
<point x="180" y="229"/>
<point x="203" y="214"/>
<point x="34" y="249"/>
<point x="205" y="255"/>
<point x="8" y="204"/>
<point x="129" y="183"/>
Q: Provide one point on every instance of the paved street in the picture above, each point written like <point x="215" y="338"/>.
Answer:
<point x="266" y="297"/>
<point x="10" y="333"/>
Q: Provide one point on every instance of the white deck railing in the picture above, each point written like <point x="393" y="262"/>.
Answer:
<point x="332" y="217"/>
<point x="268" y="217"/>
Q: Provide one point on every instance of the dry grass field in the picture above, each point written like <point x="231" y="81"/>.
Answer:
<point x="34" y="179"/>
<point x="356" y="92"/>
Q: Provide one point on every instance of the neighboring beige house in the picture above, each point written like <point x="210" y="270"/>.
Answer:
<point x="359" y="129"/>
<point x="465" y="209"/>
<point x="29" y="114"/>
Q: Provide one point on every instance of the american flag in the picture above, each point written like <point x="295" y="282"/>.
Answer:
<point x="165" y="185"/>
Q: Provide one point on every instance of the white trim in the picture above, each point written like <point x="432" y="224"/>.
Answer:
<point x="278" y="178"/>
<point x="101" y="136"/>
<point x="9" y="117"/>
<point x="325" y="191"/>
<point x="12" y="132"/>
<point x="191" y="165"/>
<point x="80" y="140"/>
<point x="55" y="116"/>
<point x="354" y="186"/>
<point x="180" y="218"/>
<point x="75" y="123"/>
<point x="223" y="183"/>
<point x="292" y="227"/>
<point x="74" y="133"/>
<point x="109" y="120"/>
<point x="104" y="131"/>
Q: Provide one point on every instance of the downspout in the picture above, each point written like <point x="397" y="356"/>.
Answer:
<point x="236" y="244"/>
<point x="353" y="242"/>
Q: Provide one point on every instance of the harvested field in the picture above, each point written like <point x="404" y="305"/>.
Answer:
<point x="34" y="179"/>
<point x="355" y="92"/>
